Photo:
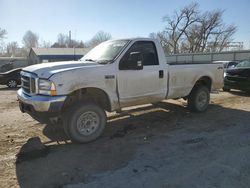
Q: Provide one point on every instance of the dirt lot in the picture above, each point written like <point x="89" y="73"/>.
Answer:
<point x="150" y="146"/>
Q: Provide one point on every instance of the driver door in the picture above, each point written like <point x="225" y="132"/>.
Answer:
<point x="141" y="86"/>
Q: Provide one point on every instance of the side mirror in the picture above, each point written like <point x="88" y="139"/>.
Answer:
<point x="134" y="62"/>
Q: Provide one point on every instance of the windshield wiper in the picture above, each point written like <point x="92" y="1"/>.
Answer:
<point x="104" y="61"/>
<point x="90" y="60"/>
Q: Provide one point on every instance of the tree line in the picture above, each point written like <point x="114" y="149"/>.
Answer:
<point x="31" y="39"/>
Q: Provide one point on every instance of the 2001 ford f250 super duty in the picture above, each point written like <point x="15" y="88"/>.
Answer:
<point x="113" y="75"/>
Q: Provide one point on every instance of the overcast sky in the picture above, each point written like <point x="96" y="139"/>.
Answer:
<point x="121" y="18"/>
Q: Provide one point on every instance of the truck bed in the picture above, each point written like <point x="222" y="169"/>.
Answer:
<point x="182" y="77"/>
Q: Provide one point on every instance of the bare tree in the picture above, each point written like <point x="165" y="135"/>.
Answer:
<point x="177" y="25"/>
<point x="221" y="38"/>
<point x="210" y="33"/>
<point x="3" y="33"/>
<point x="12" y="48"/>
<point x="77" y="44"/>
<point x="189" y="30"/>
<point x="45" y="44"/>
<point x="63" y="41"/>
<point x="160" y="36"/>
<point x="99" y="37"/>
<point x="30" y="39"/>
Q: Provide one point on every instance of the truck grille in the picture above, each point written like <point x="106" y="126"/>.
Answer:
<point x="28" y="84"/>
<point x="236" y="78"/>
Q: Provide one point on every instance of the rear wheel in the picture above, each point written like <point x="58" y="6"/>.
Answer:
<point x="85" y="123"/>
<point x="12" y="83"/>
<point x="198" y="99"/>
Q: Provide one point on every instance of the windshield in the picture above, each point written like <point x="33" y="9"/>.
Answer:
<point x="243" y="64"/>
<point x="105" y="52"/>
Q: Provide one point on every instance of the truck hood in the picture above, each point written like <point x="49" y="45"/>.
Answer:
<point x="239" y="72"/>
<point x="46" y="70"/>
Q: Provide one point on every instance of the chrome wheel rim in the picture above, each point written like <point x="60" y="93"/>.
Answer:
<point x="87" y="123"/>
<point x="202" y="99"/>
<point x="12" y="83"/>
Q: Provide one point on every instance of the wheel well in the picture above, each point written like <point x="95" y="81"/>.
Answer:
<point x="95" y="95"/>
<point x="11" y="79"/>
<point x="205" y="81"/>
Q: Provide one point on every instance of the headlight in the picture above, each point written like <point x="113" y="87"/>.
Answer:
<point x="44" y="84"/>
<point x="46" y="87"/>
<point x="225" y="74"/>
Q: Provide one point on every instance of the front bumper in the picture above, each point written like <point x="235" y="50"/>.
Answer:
<point x="237" y="84"/>
<point x="40" y="103"/>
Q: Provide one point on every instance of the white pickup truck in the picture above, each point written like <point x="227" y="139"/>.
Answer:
<point x="113" y="75"/>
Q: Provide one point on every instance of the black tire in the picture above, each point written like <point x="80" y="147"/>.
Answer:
<point x="79" y="126"/>
<point x="65" y="126"/>
<point x="12" y="83"/>
<point x="198" y="99"/>
<point x="226" y="89"/>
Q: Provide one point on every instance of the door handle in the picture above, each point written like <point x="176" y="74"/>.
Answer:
<point x="161" y="73"/>
<point x="220" y="68"/>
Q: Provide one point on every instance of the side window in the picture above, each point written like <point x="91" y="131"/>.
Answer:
<point x="148" y="51"/>
<point x="150" y="56"/>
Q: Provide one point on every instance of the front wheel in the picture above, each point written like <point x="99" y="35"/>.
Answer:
<point x="198" y="99"/>
<point x="85" y="123"/>
<point x="12" y="83"/>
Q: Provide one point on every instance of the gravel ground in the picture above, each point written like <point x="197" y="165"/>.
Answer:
<point x="147" y="146"/>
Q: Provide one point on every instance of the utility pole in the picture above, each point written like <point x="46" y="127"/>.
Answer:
<point x="69" y="38"/>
